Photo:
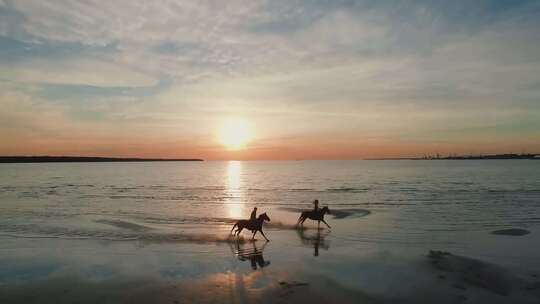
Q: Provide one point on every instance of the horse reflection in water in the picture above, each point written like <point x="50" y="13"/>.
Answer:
<point x="254" y="254"/>
<point x="314" y="239"/>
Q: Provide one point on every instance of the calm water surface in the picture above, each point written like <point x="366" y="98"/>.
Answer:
<point x="177" y="215"/>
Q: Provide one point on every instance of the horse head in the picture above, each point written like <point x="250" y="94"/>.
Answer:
<point x="264" y="217"/>
<point x="325" y="210"/>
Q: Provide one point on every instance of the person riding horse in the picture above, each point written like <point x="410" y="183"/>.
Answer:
<point x="316" y="214"/>
<point x="253" y="215"/>
<point x="253" y="225"/>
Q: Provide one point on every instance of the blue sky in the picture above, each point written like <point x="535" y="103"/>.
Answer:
<point x="314" y="79"/>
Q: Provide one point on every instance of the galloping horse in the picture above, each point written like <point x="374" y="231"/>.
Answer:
<point x="314" y="215"/>
<point x="253" y="225"/>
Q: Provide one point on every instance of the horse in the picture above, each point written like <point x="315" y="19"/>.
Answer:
<point x="314" y="215"/>
<point x="253" y="225"/>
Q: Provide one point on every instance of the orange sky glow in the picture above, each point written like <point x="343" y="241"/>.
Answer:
<point x="336" y="80"/>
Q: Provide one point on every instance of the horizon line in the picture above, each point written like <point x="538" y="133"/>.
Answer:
<point x="78" y="158"/>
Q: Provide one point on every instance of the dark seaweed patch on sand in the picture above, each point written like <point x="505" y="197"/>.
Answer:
<point x="464" y="273"/>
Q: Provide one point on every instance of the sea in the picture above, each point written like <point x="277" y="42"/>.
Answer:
<point x="174" y="218"/>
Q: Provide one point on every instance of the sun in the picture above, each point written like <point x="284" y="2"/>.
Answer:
<point x="234" y="134"/>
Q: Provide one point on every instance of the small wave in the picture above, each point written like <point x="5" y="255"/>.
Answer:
<point x="461" y="183"/>
<point x="348" y="189"/>
<point x="184" y="220"/>
<point x="285" y="226"/>
<point x="336" y="213"/>
<point x="77" y="185"/>
<point x="203" y="188"/>
<point x="343" y="213"/>
<point x="123" y="224"/>
<point x="136" y="197"/>
<point x="194" y="238"/>
<point x="409" y="189"/>
<point x="34" y="231"/>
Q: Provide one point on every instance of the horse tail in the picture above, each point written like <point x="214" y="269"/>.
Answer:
<point x="236" y="224"/>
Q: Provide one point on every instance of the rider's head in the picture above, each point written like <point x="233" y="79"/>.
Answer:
<point x="316" y="202"/>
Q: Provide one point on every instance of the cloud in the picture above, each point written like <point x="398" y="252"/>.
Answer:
<point x="395" y="70"/>
<point x="82" y="72"/>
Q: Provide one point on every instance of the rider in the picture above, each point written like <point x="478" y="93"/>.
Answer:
<point x="316" y="205"/>
<point x="253" y="215"/>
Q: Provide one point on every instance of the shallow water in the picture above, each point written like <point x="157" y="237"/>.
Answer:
<point x="157" y="216"/>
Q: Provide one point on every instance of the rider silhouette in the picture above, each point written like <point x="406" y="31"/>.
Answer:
<point x="316" y="205"/>
<point x="253" y="215"/>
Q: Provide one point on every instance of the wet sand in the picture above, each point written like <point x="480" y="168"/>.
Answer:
<point x="280" y="271"/>
<point x="218" y="288"/>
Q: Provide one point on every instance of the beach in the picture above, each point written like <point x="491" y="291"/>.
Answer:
<point x="402" y="232"/>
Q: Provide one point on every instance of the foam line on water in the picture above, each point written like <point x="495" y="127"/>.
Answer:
<point x="336" y="213"/>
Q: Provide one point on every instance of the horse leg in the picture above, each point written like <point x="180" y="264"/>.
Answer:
<point x="253" y="237"/>
<point x="235" y="225"/>
<point x="318" y="224"/>
<point x="264" y="236"/>
<point x="239" y="230"/>
<point x="326" y="223"/>
<point x="299" y="219"/>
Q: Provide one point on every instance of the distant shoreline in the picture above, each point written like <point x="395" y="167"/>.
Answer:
<point x="469" y="157"/>
<point x="85" y="159"/>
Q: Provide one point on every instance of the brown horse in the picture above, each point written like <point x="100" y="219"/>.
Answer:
<point x="314" y="215"/>
<point x="253" y="225"/>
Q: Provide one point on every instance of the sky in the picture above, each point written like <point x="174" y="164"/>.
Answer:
<point x="306" y="79"/>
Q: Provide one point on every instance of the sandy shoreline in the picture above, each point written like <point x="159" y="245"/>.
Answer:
<point x="229" y="287"/>
<point x="93" y="272"/>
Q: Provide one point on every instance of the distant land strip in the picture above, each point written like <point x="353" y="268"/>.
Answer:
<point x="85" y="159"/>
<point x="466" y="157"/>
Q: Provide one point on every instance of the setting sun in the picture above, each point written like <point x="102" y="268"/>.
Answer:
<point x="234" y="134"/>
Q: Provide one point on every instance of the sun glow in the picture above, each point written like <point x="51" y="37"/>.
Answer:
<point x="234" y="134"/>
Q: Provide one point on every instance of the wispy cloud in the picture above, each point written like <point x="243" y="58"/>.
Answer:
<point x="417" y="70"/>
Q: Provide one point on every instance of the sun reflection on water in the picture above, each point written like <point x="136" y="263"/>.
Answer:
<point x="234" y="191"/>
